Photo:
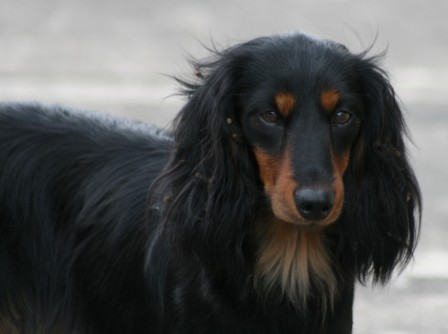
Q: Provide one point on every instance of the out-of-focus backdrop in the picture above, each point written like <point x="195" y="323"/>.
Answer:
<point x="113" y="56"/>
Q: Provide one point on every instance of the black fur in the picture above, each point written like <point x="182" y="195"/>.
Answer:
<point x="108" y="226"/>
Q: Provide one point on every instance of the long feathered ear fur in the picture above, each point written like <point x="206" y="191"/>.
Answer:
<point x="382" y="212"/>
<point x="208" y="187"/>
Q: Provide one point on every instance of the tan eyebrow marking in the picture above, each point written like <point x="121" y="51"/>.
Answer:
<point x="285" y="103"/>
<point x="329" y="99"/>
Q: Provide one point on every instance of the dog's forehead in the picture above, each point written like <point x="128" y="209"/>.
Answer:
<point x="304" y="37"/>
<point x="295" y="59"/>
<point x="293" y="46"/>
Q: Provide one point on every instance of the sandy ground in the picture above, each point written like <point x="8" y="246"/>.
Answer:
<point x="114" y="57"/>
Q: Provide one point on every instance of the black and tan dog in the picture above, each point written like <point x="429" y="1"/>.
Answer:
<point x="284" y="181"/>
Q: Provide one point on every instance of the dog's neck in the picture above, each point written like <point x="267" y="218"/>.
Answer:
<point x="295" y="259"/>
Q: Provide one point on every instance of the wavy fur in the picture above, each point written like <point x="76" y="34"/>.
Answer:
<point x="114" y="227"/>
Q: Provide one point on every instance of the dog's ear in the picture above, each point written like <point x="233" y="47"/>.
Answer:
<point x="208" y="124"/>
<point x="209" y="182"/>
<point x="383" y="204"/>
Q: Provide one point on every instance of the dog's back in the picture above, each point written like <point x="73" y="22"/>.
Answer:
<point x="73" y="192"/>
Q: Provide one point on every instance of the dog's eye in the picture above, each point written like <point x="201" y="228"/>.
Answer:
<point x="270" y="116"/>
<point x="341" y="118"/>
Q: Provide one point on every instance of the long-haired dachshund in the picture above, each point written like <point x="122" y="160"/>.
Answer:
<point x="284" y="181"/>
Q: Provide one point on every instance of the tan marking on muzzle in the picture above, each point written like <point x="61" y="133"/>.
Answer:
<point x="340" y="164"/>
<point x="277" y="176"/>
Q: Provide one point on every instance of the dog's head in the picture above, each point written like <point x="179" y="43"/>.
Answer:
<point x="301" y="112"/>
<point x="305" y="134"/>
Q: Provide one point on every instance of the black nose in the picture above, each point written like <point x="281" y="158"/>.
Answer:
<point x="314" y="204"/>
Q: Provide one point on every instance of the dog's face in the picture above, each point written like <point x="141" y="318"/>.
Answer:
<point x="317" y="131"/>
<point x="301" y="114"/>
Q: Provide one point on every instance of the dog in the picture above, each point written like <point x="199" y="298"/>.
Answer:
<point x="283" y="182"/>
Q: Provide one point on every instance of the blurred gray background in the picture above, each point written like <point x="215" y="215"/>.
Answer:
<point x="113" y="56"/>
